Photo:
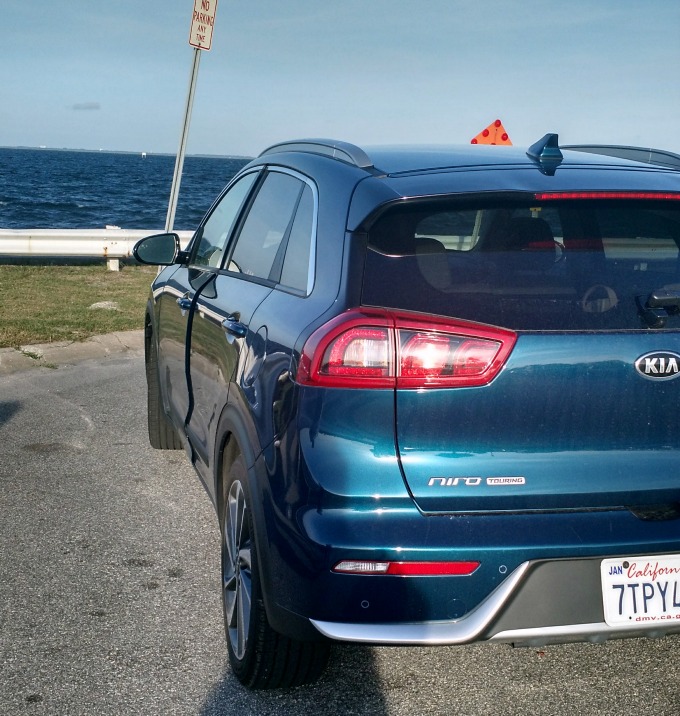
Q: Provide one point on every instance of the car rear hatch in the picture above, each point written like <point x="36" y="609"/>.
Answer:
<point x="537" y="350"/>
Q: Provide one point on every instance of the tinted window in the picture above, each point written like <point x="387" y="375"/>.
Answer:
<point x="266" y="224"/>
<point x="461" y="230"/>
<point x="296" y="265"/>
<point x="216" y="230"/>
<point x="568" y="265"/>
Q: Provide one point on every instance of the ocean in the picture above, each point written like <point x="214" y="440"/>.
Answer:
<point x="61" y="189"/>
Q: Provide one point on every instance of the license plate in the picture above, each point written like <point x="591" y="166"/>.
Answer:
<point x="639" y="591"/>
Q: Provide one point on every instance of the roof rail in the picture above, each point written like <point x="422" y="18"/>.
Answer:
<point x="343" y="151"/>
<point x="658" y="157"/>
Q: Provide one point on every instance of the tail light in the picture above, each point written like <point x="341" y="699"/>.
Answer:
<point x="366" y="348"/>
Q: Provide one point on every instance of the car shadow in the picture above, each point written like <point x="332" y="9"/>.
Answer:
<point x="8" y="408"/>
<point x="350" y="684"/>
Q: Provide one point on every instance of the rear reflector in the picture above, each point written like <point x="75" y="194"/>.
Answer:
<point x="365" y="348"/>
<point x="647" y="195"/>
<point x="407" y="569"/>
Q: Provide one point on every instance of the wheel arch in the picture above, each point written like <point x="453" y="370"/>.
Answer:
<point x="236" y="435"/>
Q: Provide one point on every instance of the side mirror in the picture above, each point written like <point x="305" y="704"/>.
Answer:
<point x="158" y="250"/>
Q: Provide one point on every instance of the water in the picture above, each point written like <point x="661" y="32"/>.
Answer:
<point x="52" y="189"/>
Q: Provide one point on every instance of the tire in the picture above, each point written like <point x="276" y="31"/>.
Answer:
<point x="162" y="433"/>
<point x="260" y="657"/>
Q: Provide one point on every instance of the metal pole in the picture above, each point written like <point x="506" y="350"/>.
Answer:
<point x="179" y="162"/>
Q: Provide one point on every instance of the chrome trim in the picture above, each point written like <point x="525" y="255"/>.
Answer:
<point x="596" y="633"/>
<point x="459" y="631"/>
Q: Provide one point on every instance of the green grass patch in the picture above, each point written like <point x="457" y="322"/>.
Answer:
<point x="44" y="304"/>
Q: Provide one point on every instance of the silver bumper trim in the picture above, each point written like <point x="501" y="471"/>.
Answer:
<point x="596" y="633"/>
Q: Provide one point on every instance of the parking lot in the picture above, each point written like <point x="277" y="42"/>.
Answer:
<point x="109" y="585"/>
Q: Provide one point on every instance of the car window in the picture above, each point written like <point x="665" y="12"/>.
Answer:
<point x="297" y="272"/>
<point x="461" y="230"/>
<point x="555" y="265"/>
<point x="216" y="230"/>
<point x="267" y="223"/>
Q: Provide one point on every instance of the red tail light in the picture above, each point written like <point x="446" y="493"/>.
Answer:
<point x="383" y="349"/>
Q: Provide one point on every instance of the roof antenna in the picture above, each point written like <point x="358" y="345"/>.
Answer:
<point x="546" y="153"/>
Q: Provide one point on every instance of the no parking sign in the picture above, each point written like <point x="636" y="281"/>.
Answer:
<point x="202" y="23"/>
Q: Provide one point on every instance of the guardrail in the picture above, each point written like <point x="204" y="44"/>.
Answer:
<point x="111" y="243"/>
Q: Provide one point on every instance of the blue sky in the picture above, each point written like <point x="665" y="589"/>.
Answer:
<point x="114" y="74"/>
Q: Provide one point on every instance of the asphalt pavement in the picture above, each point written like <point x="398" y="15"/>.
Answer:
<point x="109" y="583"/>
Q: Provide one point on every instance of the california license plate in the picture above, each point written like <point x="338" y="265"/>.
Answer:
<point x="639" y="591"/>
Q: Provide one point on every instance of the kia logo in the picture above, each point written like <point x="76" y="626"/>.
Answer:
<point x="659" y="365"/>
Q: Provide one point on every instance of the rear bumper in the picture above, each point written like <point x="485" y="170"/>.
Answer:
<point x="540" y="603"/>
<point x="538" y="579"/>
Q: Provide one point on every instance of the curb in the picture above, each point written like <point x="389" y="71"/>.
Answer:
<point x="55" y="355"/>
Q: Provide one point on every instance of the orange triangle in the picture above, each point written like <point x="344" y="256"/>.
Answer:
<point x="494" y="134"/>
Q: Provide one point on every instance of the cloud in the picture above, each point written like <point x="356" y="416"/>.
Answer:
<point x="86" y="106"/>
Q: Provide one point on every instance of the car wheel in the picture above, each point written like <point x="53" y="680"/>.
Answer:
<point x="162" y="433"/>
<point x="260" y="657"/>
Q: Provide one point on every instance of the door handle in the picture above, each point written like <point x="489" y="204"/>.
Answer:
<point x="184" y="303"/>
<point x="232" y="325"/>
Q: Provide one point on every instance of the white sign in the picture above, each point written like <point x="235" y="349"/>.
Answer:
<point x="202" y="23"/>
<point x="641" y="591"/>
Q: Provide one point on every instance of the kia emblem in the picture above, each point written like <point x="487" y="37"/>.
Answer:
<point x="658" y="365"/>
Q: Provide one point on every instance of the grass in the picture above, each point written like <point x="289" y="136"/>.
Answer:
<point x="44" y="304"/>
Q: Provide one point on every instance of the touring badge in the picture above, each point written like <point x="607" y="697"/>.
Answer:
<point x="475" y="481"/>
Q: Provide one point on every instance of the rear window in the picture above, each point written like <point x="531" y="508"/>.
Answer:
<point x="532" y="265"/>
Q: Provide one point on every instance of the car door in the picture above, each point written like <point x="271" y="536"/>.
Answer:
<point x="177" y="295"/>
<point x="221" y="330"/>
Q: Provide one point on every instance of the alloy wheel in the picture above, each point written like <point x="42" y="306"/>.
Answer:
<point x="237" y="570"/>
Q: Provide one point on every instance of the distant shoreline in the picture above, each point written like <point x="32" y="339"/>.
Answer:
<point x="125" y="151"/>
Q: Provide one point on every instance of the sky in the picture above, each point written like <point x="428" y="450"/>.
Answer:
<point x="114" y="74"/>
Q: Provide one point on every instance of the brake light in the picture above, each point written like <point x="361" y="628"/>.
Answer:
<point x="556" y="195"/>
<point x="365" y="348"/>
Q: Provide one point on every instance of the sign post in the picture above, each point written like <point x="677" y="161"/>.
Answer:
<point x="200" y="38"/>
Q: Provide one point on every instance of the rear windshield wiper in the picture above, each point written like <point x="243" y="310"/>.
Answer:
<point x="658" y="306"/>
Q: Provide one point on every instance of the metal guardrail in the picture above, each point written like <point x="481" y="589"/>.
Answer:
<point x="111" y="243"/>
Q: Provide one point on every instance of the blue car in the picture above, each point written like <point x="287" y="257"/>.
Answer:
<point x="432" y="393"/>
